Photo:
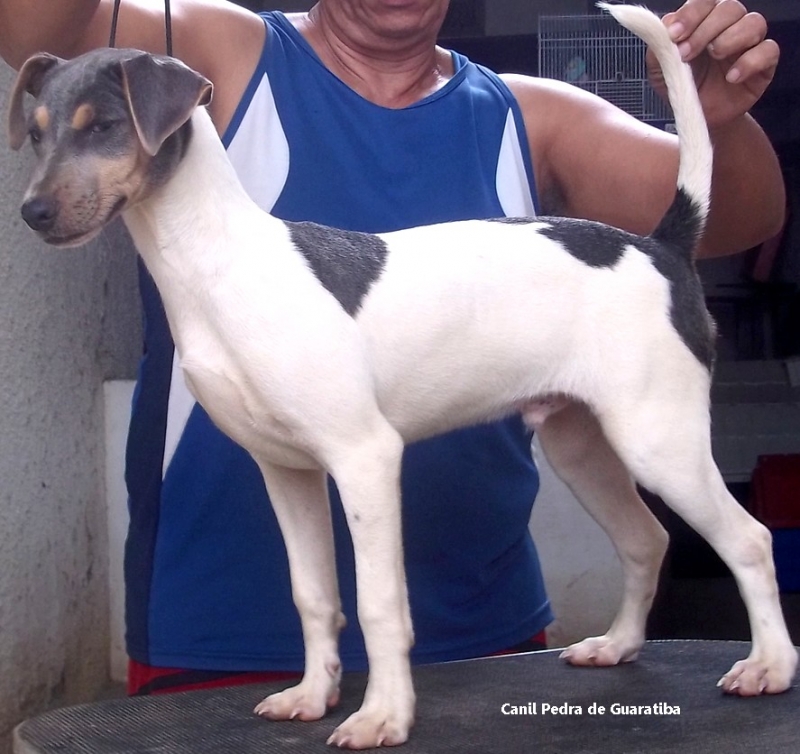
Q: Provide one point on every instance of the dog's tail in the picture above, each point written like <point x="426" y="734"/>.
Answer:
<point x="685" y="220"/>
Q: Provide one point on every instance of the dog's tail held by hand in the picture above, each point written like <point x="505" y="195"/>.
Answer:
<point x="684" y="221"/>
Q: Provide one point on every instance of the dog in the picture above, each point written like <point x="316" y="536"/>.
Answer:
<point x="614" y="376"/>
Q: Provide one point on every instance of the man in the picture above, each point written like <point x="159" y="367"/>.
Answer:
<point x="351" y="115"/>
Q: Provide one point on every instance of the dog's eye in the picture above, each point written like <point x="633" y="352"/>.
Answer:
<point x="35" y="134"/>
<point x="101" y="126"/>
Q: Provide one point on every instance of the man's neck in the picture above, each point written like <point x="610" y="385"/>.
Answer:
<point x="391" y="67"/>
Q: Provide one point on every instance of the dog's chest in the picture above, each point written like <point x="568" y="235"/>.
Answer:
<point x="250" y="351"/>
<point x="245" y="411"/>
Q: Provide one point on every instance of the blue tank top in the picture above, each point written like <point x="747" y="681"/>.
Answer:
<point x="207" y="578"/>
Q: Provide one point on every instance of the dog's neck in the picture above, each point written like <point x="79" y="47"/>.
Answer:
<point x="172" y="226"/>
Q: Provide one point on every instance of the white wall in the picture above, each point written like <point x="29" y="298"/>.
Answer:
<point x="117" y="404"/>
<point x="67" y="319"/>
<point x="580" y="566"/>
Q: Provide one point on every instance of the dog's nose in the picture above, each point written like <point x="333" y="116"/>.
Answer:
<point x="40" y="212"/>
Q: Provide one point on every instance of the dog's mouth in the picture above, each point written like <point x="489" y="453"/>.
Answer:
<point x="71" y="240"/>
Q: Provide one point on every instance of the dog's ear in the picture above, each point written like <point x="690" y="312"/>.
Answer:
<point x="162" y="93"/>
<point x="29" y="79"/>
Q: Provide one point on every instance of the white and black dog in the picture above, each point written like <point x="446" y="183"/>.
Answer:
<point x="599" y="338"/>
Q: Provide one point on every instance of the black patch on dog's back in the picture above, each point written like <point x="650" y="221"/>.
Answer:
<point x="592" y="243"/>
<point x="599" y="245"/>
<point x="514" y="220"/>
<point x="346" y="262"/>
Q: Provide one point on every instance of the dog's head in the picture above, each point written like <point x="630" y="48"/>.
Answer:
<point x="106" y="128"/>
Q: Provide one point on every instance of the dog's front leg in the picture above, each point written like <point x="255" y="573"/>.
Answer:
<point x="579" y="453"/>
<point x="300" y="501"/>
<point x="368" y="477"/>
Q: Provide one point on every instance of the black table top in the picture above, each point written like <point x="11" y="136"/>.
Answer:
<point x="666" y="701"/>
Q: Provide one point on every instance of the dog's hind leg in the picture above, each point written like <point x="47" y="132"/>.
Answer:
<point x="300" y="502"/>
<point x="579" y="453"/>
<point x="663" y="434"/>
<point x="367" y="473"/>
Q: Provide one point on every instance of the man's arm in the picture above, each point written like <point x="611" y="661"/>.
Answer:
<point x="594" y="161"/>
<point x="218" y="39"/>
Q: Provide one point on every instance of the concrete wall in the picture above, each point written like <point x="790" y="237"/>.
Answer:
<point x="68" y="319"/>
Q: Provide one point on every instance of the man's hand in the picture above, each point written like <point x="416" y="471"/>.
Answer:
<point x="732" y="58"/>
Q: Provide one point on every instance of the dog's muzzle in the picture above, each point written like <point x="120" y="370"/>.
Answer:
<point x="40" y="213"/>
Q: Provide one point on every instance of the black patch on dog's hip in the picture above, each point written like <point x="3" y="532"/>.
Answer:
<point x="689" y="314"/>
<point x="346" y="262"/>
<point x="599" y="245"/>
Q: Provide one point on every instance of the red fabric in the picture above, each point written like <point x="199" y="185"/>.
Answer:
<point x="146" y="679"/>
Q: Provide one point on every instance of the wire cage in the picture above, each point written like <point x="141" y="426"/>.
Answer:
<point x="595" y="53"/>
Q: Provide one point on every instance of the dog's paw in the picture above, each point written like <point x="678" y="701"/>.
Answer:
<point x="601" y="651"/>
<point x="755" y="676"/>
<point x="298" y="703"/>
<point x="368" y="729"/>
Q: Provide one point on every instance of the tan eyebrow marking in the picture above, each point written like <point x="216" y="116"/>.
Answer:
<point x="41" y="116"/>
<point x="83" y="116"/>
